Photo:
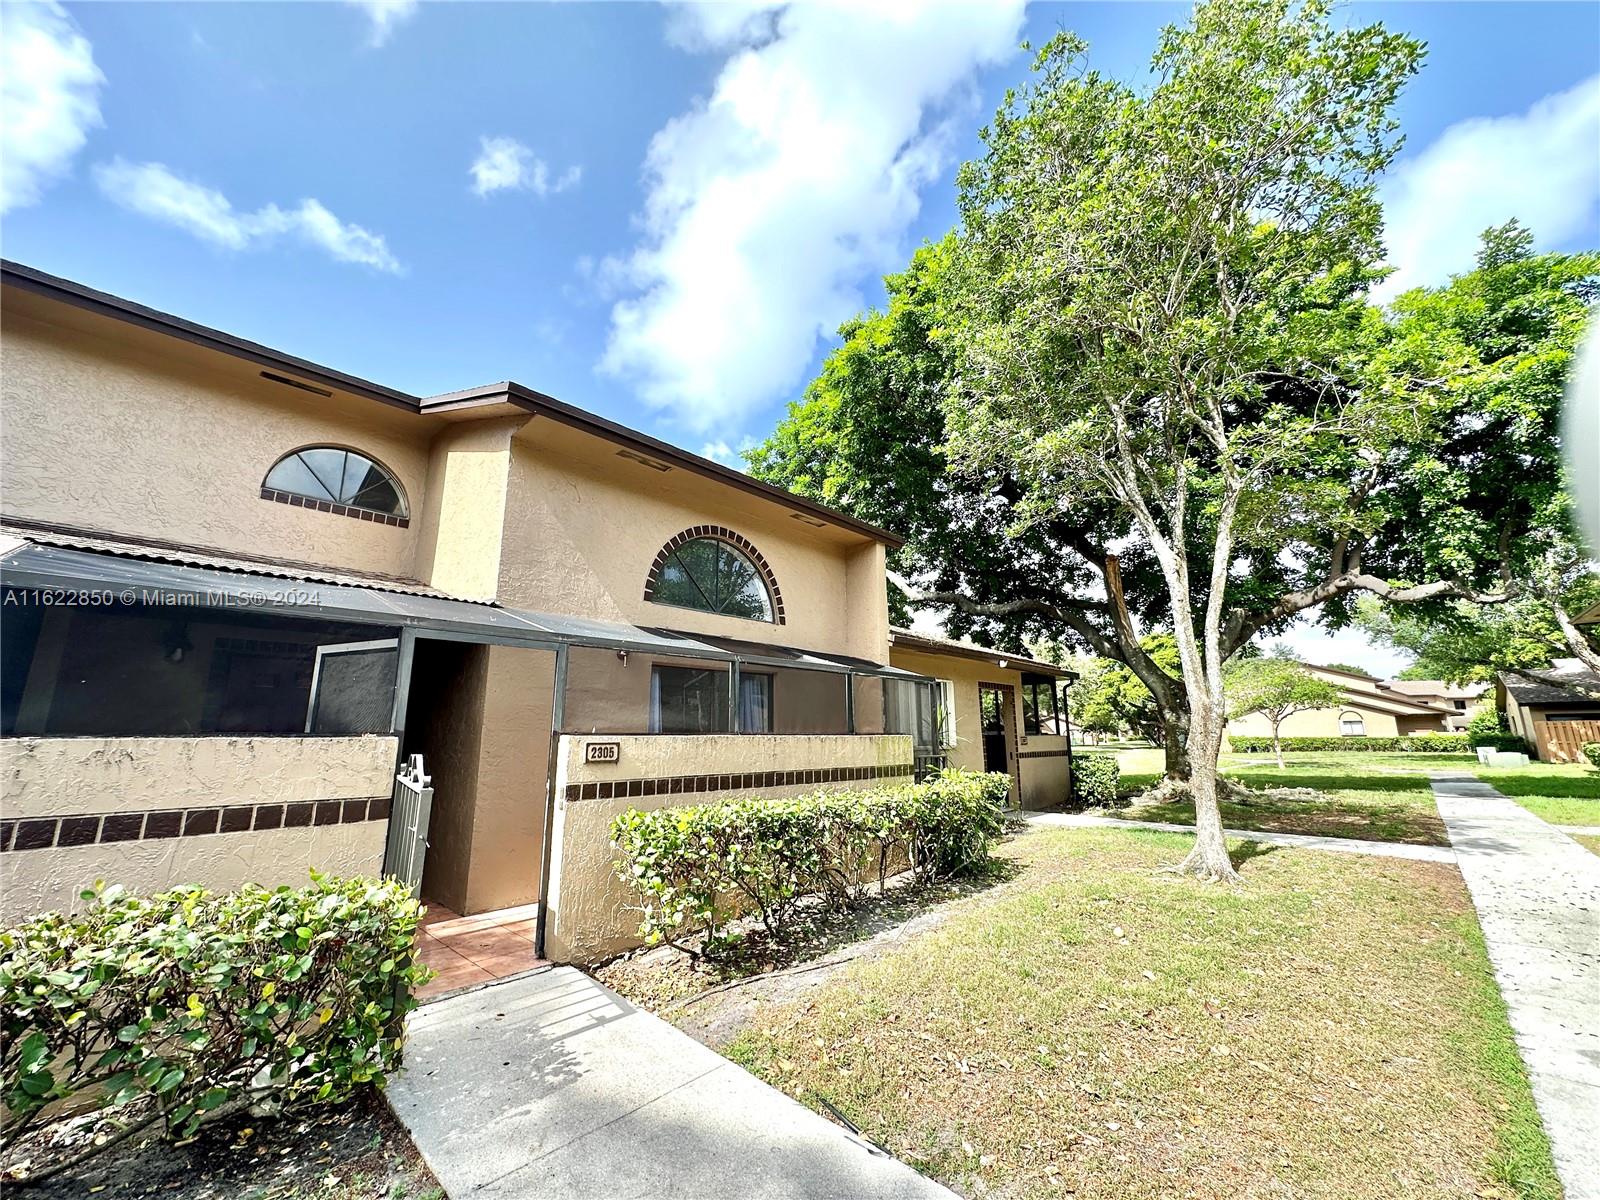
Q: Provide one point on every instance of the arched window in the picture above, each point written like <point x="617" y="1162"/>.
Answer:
<point x="715" y="570"/>
<point x="333" y="479"/>
<point x="1351" y="725"/>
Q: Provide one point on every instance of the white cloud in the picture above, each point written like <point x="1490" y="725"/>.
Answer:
<point x="155" y="191"/>
<point x="505" y="163"/>
<point x="769" y="203"/>
<point x="728" y="456"/>
<point x="384" y="17"/>
<point x="1542" y="167"/>
<point x="49" y="99"/>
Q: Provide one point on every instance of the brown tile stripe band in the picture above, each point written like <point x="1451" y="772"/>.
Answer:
<point x="616" y="789"/>
<point x="329" y="506"/>
<point x="1044" y="754"/>
<point x="43" y="833"/>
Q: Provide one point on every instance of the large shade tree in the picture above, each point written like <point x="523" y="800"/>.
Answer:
<point x="869" y="437"/>
<point x="1161" y="305"/>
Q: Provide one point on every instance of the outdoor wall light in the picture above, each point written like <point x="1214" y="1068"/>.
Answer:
<point x="622" y="657"/>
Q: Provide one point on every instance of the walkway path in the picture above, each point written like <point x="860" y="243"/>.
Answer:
<point x="1537" y="893"/>
<point x="1305" y="841"/>
<point x="552" y="1086"/>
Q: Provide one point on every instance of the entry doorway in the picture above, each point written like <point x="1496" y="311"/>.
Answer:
<point x="997" y="719"/>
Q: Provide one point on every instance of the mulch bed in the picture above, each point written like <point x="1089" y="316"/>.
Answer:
<point x="349" y="1151"/>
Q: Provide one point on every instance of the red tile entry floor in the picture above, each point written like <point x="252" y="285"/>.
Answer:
<point x="475" y="949"/>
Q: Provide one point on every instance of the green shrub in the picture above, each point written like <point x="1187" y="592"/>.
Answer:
<point x="1485" y="725"/>
<point x="1591" y="751"/>
<point x="699" y="867"/>
<point x="189" y="1005"/>
<point x="1416" y="743"/>
<point x="1095" y="778"/>
<point x="1513" y="742"/>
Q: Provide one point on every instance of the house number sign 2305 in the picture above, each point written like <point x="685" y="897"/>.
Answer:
<point x="602" y="752"/>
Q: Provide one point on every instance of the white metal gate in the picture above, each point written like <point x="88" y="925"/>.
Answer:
<point x="408" y="825"/>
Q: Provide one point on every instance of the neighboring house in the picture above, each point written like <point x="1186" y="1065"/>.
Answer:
<point x="1459" y="698"/>
<point x="1557" y="713"/>
<point x="1371" y="708"/>
<point x="240" y="588"/>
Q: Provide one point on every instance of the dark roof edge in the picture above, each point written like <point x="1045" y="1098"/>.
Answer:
<point x="926" y="645"/>
<point x="544" y="405"/>
<point x="31" y="279"/>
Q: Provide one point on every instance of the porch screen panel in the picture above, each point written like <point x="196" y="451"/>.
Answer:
<point x="355" y="692"/>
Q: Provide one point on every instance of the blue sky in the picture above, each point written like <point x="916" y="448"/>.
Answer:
<point x="674" y="205"/>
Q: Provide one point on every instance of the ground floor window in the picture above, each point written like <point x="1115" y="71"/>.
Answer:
<point x="1351" y="725"/>
<point x="1040" y="711"/>
<point x="695" y="700"/>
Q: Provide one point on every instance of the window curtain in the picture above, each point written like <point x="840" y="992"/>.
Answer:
<point x="655" y="701"/>
<point x="755" y="704"/>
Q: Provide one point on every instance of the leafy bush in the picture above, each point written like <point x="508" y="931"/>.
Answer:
<point x="1513" y="742"/>
<point x="189" y="1005"/>
<point x="1591" y="751"/>
<point x="1416" y="743"/>
<point x="699" y="867"/>
<point x="1095" y="778"/>
<point x="1485" y="725"/>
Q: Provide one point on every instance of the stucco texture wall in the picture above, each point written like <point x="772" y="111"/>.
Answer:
<point x="588" y="914"/>
<point x="133" y="433"/>
<point x="582" y="535"/>
<point x="1321" y="722"/>
<point x="107" y="777"/>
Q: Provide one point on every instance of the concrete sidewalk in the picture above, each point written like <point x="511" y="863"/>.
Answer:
<point x="1303" y="841"/>
<point x="1537" y="893"/>
<point x="552" y="1086"/>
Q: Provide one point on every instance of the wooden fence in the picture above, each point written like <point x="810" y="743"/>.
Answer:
<point x="1563" y="741"/>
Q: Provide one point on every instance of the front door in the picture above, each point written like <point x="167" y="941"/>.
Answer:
<point x="992" y="706"/>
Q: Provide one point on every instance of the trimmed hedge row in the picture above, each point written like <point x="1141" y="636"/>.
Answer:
<point x="697" y="868"/>
<point x="1095" y="778"/>
<point x="1418" y="743"/>
<point x="192" y="1004"/>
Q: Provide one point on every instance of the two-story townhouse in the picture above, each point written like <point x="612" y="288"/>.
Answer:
<point x="241" y="588"/>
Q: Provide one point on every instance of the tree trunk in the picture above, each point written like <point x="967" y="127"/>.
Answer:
<point x="1175" y="727"/>
<point x="1209" y="858"/>
<point x="1277" y="747"/>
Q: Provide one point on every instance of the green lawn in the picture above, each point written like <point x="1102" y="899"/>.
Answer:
<point x="1589" y="841"/>
<point x="1561" y="793"/>
<point x="1384" y="797"/>
<point x="1095" y="1027"/>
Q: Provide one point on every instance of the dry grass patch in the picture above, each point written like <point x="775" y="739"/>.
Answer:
<point x="1096" y="1028"/>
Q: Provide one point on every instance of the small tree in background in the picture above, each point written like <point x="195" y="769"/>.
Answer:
<point x="1277" y="688"/>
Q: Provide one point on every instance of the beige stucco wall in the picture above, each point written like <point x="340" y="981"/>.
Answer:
<point x="588" y="917"/>
<point x="1318" y="722"/>
<point x="135" y="433"/>
<point x="1046" y="772"/>
<point x="582" y="532"/>
<point x="463" y="523"/>
<point x="53" y="777"/>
